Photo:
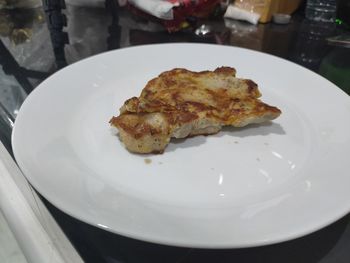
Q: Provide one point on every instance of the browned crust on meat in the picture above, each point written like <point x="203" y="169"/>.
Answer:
<point x="135" y="125"/>
<point x="179" y="97"/>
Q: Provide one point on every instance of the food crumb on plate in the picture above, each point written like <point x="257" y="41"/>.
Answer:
<point x="147" y="161"/>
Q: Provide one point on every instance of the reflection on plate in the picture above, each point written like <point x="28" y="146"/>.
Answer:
<point x="241" y="187"/>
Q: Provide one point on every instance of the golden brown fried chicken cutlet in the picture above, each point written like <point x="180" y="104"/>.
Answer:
<point x="180" y="103"/>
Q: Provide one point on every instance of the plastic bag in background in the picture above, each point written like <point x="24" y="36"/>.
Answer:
<point x="82" y="27"/>
<point x="157" y="8"/>
<point x="179" y="14"/>
<point x="237" y="13"/>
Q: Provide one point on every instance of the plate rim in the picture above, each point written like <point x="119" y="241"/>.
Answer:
<point x="56" y="203"/>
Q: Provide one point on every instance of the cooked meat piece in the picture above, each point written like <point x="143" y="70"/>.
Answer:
<point x="180" y="103"/>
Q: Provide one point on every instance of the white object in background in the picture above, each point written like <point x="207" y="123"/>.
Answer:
<point x="281" y="18"/>
<point x="158" y="8"/>
<point x="234" y="12"/>
<point x="36" y="232"/>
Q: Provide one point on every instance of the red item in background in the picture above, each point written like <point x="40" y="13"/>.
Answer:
<point x="185" y="9"/>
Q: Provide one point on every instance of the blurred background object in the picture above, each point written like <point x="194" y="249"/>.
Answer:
<point x="23" y="38"/>
<point x="87" y="3"/>
<point x="175" y="15"/>
<point x="267" y="8"/>
<point x="311" y="44"/>
<point x="17" y="24"/>
<point x="281" y="18"/>
<point x="83" y="22"/>
<point x="9" y="4"/>
<point x="336" y="67"/>
<point x="340" y="40"/>
<point x="343" y="14"/>
<point x="238" y="13"/>
<point x="321" y="10"/>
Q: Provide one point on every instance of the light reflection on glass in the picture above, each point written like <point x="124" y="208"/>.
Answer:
<point x="103" y="226"/>
<point x="222" y="195"/>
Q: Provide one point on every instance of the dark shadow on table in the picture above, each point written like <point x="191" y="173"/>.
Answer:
<point x="97" y="245"/>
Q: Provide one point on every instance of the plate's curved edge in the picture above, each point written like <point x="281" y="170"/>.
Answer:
<point x="263" y="242"/>
<point x="167" y="242"/>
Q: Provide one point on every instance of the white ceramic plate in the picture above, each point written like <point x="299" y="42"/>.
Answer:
<point x="242" y="187"/>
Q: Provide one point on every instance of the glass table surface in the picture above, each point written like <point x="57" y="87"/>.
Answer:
<point x="34" y="45"/>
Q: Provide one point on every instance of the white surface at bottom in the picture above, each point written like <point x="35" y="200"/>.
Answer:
<point x="36" y="232"/>
<point x="9" y="249"/>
